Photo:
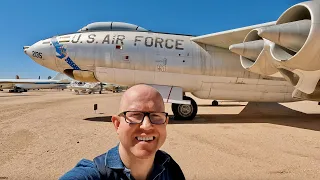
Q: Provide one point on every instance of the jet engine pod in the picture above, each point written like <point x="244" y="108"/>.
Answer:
<point x="83" y="76"/>
<point x="315" y="96"/>
<point x="255" y="54"/>
<point x="295" y="37"/>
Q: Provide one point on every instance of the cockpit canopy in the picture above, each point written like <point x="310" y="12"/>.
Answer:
<point x="111" y="26"/>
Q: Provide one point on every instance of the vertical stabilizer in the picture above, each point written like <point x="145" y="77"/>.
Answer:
<point x="60" y="76"/>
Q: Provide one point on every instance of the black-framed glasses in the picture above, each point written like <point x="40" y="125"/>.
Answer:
<point x="137" y="117"/>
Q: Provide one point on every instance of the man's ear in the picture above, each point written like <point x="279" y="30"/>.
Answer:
<point x="116" y="122"/>
<point x="167" y="121"/>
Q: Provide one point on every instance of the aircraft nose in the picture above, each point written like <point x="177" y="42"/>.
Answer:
<point x="32" y="52"/>
<point x="42" y="53"/>
<point x="25" y="48"/>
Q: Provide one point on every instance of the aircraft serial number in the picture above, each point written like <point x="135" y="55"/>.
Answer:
<point x="37" y="54"/>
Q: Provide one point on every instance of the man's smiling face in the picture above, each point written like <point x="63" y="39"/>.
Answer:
<point x="144" y="139"/>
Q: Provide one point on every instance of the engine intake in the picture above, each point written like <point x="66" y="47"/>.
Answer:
<point x="83" y="76"/>
<point x="295" y="45"/>
<point x="255" y="54"/>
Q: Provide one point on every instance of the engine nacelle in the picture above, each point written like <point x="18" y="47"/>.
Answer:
<point x="79" y="75"/>
<point x="255" y="54"/>
<point x="315" y="96"/>
<point x="295" y="45"/>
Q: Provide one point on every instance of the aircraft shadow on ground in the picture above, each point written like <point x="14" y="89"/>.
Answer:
<point x="221" y="105"/>
<point x="272" y="113"/>
<point x="100" y="119"/>
<point x="19" y="95"/>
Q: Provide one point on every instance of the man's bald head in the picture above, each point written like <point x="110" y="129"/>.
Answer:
<point x="142" y="98"/>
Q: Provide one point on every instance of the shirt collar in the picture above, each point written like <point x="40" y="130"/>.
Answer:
<point x="113" y="159"/>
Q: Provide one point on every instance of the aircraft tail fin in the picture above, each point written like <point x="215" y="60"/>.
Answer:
<point x="60" y="76"/>
<point x="17" y="77"/>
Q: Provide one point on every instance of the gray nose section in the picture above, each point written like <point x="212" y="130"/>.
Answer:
<point x="32" y="52"/>
<point x="26" y="50"/>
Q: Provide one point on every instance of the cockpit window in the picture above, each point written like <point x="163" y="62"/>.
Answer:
<point x="111" y="26"/>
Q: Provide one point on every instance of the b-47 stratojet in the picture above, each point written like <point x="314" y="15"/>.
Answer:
<point x="272" y="62"/>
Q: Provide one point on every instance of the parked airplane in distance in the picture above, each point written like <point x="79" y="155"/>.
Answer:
<point x="91" y="88"/>
<point x="23" y="85"/>
<point x="279" y="61"/>
<point x="84" y="87"/>
<point x="114" y="87"/>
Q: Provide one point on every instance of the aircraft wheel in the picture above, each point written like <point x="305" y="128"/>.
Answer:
<point x="215" y="103"/>
<point x="185" y="111"/>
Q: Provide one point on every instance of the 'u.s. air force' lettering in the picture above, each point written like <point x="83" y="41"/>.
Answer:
<point x="156" y="42"/>
<point x="159" y="42"/>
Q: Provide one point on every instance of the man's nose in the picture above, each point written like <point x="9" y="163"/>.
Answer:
<point x="146" y="123"/>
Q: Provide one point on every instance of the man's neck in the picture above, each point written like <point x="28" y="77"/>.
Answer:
<point x="140" y="168"/>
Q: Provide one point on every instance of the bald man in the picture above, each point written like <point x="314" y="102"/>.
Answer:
<point x="141" y="128"/>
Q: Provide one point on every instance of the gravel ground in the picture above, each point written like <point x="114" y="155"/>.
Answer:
<point x="43" y="134"/>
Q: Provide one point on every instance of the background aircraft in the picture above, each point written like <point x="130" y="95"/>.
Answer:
<point x="279" y="61"/>
<point x="114" y="87"/>
<point x="84" y="87"/>
<point x="23" y="85"/>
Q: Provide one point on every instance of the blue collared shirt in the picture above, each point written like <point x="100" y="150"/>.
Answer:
<point x="87" y="170"/>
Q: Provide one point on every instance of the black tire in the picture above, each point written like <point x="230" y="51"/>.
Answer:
<point x="215" y="103"/>
<point x="187" y="115"/>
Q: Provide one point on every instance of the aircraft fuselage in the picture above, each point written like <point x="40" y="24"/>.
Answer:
<point x="128" y="58"/>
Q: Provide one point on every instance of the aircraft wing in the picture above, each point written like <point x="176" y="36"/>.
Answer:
<point x="16" y="81"/>
<point x="226" y="38"/>
<point x="27" y="81"/>
<point x="80" y="88"/>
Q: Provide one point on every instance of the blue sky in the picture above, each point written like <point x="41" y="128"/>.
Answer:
<point x="25" y="22"/>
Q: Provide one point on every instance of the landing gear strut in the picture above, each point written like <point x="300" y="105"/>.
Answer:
<point x="215" y="103"/>
<point x="185" y="111"/>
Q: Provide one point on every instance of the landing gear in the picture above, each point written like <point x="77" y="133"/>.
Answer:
<point x="185" y="111"/>
<point x="16" y="90"/>
<point x="215" y="103"/>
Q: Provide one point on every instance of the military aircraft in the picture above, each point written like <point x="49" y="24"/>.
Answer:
<point x="271" y="62"/>
<point x="114" y="87"/>
<point x="23" y="85"/>
<point x="84" y="87"/>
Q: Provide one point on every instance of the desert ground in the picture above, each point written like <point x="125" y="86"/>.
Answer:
<point x="43" y="134"/>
